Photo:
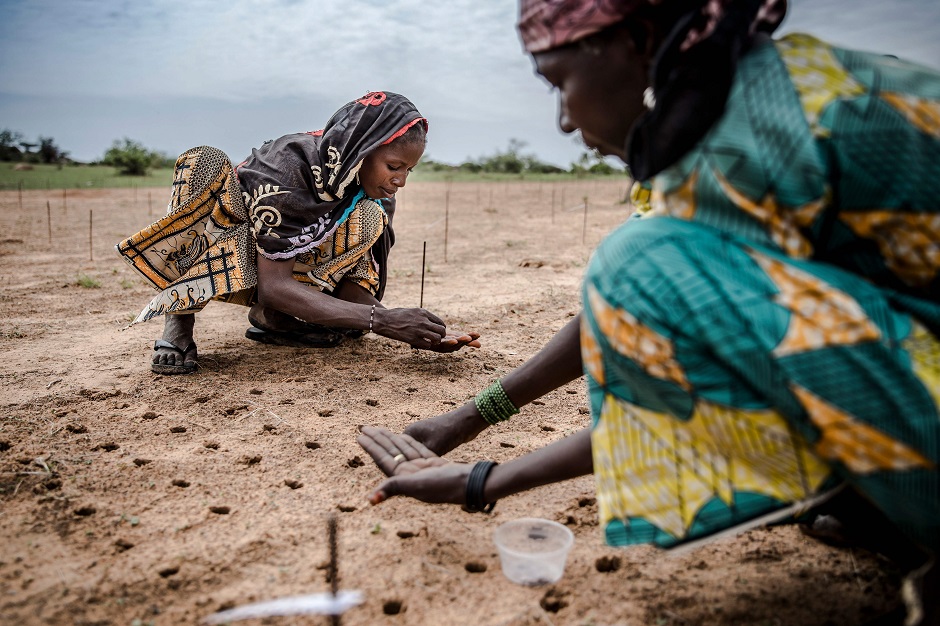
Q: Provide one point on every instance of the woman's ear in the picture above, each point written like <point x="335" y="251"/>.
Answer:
<point x="643" y="36"/>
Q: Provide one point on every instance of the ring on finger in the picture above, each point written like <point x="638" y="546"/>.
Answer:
<point x="398" y="458"/>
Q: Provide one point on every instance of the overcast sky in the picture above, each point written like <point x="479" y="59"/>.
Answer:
<point x="234" y="73"/>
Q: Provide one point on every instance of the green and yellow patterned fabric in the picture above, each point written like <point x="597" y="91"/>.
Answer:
<point x="767" y="330"/>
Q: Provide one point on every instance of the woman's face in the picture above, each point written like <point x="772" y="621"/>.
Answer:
<point x="600" y="89"/>
<point x="386" y="168"/>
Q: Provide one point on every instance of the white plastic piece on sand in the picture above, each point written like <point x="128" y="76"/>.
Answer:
<point x="313" y="604"/>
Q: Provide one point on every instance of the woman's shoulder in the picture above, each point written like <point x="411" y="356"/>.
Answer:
<point x="829" y="79"/>
<point x="283" y="159"/>
<point x="817" y="64"/>
<point x="292" y="143"/>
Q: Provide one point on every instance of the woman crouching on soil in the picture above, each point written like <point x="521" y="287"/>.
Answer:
<point x="317" y="207"/>
<point x="765" y="336"/>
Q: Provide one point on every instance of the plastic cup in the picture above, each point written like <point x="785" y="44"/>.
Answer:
<point x="533" y="551"/>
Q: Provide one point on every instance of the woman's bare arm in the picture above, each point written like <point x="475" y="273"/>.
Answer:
<point x="557" y="364"/>
<point x="415" y="326"/>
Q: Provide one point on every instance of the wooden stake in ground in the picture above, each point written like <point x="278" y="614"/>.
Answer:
<point x="149" y="204"/>
<point x="91" y="251"/>
<point x="19" y="187"/>
<point x="49" y="220"/>
<point x="446" y="222"/>
<point x="553" y="204"/>
<point x="584" y="226"/>
<point x="65" y="200"/>
<point x="424" y="255"/>
<point x="334" y="565"/>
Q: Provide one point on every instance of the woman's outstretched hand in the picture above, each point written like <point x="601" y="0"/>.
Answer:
<point x="452" y="341"/>
<point x="414" y="470"/>
<point x="421" y="329"/>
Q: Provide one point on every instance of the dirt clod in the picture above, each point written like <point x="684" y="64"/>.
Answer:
<point x="606" y="564"/>
<point x="554" y="600"/>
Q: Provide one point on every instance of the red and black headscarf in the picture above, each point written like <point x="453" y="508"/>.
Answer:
<point x="692" y="70"/>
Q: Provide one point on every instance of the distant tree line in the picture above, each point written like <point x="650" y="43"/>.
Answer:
<point x="133" y="159"/>
<point x="514" y="161"/>
<point x="15" y="147"/>
<point x="128" y="156"/>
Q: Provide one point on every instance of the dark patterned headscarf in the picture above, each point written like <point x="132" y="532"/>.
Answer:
<point x="692" y="70"/>
<point x="547" y="24"/>
<point x="298" y="188"/>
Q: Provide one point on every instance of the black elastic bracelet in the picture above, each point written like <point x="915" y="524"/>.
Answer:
<point x="475" y="483"/>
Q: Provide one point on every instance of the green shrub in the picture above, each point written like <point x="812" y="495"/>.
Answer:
<point x="131" y="157"/>
<point x="87" y="282"/>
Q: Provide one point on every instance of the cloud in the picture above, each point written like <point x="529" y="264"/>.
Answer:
<point x="240" y="71"/>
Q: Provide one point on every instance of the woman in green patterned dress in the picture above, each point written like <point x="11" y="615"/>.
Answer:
<point x="763" y="338"/>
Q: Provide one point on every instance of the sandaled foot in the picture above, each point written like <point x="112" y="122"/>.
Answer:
<point x="173" y="359"/>
<point x="274" y="321"/>
<point x="325" y="339"/>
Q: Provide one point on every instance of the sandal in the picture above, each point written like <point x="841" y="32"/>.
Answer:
<point x="184" y="368"/>
<point x="323" y="339"/>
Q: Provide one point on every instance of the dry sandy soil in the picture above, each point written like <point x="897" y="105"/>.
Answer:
<point x="128" y="498"/>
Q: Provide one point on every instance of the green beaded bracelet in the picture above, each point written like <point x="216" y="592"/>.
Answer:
<point x="494" y="405"/>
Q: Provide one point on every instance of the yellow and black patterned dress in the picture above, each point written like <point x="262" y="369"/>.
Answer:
<point x="768" y="329"/>
<point x="295" y="198"/>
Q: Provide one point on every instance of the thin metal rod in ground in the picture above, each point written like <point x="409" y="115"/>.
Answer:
<point x="91" y="251"/>
<point x="334" y="565"/>
<point x="49" y="220"/>
<point x="424" y="255"/>
<point x="446" y="221"/>
<point x="584" y="225"/>
<point x="553" y="204"/>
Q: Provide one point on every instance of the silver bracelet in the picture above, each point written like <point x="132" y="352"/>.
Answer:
<point x="371" y="317"/>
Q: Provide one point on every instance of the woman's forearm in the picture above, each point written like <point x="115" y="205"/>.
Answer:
<point x="556" y="364"/>
<point x="351" y="292"/>
<point x="313" y="306"/>
<point x="562" y="460"/>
